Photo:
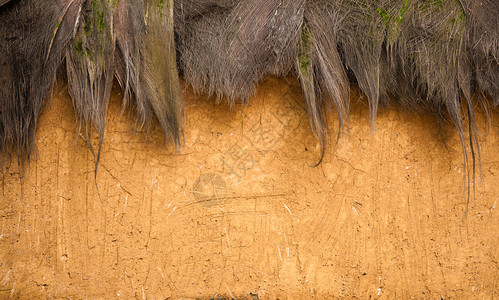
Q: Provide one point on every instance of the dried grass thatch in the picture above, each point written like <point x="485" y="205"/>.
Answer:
<point x="98" y="39"/>
<point x="29" y="57"/>
<point x="426" y="54"/>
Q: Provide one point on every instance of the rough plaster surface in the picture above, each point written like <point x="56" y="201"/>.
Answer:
<point x="239" y="212"/>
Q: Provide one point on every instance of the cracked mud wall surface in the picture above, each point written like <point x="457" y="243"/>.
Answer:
<point x="239" y="212"/>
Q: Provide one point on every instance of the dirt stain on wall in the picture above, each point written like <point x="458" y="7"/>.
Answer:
<point x="239" y="212"/>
